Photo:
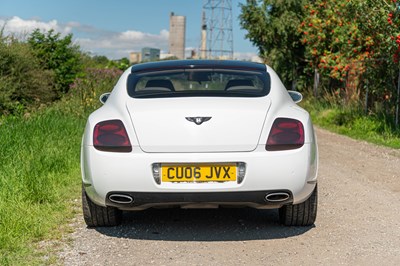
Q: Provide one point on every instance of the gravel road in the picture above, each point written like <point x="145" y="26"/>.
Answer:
<point x="358" y="223"/>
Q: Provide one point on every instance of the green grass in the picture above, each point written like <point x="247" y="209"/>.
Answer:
<point x="39" y="178"/>
<point x="353" y="123"/>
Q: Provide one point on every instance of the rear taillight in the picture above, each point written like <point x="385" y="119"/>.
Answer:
<point x="285" y="134"/>
<point x="111" y="136"/>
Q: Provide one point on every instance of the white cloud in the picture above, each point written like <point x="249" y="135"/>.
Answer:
<point x="120" y="44"/>
<point x="132" y="35"/>
<point x="20" y="26"/>
<point x="164" y="34"/>
<point x="74" y="24"/>
<point x="247" y="56"/>
<point x="97" y="41"/>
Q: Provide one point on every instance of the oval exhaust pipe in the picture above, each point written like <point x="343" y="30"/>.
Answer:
<point x="277" y="197"/>
<point x="120" y="198"/>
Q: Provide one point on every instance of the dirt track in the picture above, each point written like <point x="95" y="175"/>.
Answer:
<point x="358" y="223"/>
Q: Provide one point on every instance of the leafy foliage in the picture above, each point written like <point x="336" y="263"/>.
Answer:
<point x="22" y="80"/>
<point x="272" y="26"/>
<point x="59" y="55"/>
<point x="47" y="67"/>
<point x="345" y="39"/>
<point x="85" y="91"/>
<point x="351" y="47"/>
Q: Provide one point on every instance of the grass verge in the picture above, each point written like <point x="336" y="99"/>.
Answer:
<point x="353" y="123"/>
<point x="39" y="177"/>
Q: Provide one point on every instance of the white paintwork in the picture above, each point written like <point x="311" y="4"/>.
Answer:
<point x="237" y="132"/>
<point x="161" y="126"/>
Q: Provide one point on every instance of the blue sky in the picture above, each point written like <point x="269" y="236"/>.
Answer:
<point x="115" y="28"/>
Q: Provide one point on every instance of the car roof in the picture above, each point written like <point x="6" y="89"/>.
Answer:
<point x="198" y="64"/>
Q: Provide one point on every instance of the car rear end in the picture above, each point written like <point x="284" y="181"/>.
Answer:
<point x="216" y="134"/>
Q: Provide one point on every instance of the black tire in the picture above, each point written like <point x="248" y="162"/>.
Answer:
<point x="96" y="216"/>
<point x="302" y="214"/>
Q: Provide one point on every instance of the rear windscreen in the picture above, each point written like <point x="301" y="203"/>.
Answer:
<point x="198" y="82"/>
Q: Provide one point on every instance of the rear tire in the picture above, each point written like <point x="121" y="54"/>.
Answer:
<point x="302" y="214"/>
<point x="95" y="215"/>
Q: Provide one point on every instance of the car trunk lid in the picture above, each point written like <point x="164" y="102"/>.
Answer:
<point x="201" y="124"/>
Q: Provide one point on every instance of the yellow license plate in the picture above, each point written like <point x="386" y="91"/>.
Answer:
<point x="198" y="172"/>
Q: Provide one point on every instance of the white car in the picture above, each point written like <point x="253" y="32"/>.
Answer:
<point x="199" y="134"/>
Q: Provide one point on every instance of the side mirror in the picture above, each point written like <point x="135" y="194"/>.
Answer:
<point x="296" y="96"/>
<point x="103" y="98"/>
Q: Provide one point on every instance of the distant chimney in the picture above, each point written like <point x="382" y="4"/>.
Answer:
<point x="203" y="46"/>
<point x="177" y="29"/>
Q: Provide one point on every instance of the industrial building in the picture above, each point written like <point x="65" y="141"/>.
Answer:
<point x="150" y="54"/>
<point x="135" y="57"/>
<point x="177" y="32"/>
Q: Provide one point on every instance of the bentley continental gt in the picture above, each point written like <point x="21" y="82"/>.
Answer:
<point x="199" y="134"/>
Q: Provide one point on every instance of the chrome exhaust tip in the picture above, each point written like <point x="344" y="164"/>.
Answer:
<point x="277" y="197"/>
<point x="120" y="198"/>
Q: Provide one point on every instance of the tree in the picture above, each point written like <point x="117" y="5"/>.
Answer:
<point x="121" y="64"/>
<point x="345" y="39"/>
<point x="57" y="54"/>
<point x="100" y="60"/>
<point x="272" y="26"/>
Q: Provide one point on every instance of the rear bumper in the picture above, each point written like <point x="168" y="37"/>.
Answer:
<point x="104" y="173"/>
<point x="144" y="200"/>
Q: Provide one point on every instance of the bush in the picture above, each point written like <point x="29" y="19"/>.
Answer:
<point x="22" y="81"/>
<point x="84" y="94"/>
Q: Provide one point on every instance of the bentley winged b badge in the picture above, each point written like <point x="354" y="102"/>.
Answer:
<point x="198" y="120"/>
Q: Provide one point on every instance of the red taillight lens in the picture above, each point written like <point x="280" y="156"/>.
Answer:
<point x="285" y="134"/>
<point x="111" y="136"/>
